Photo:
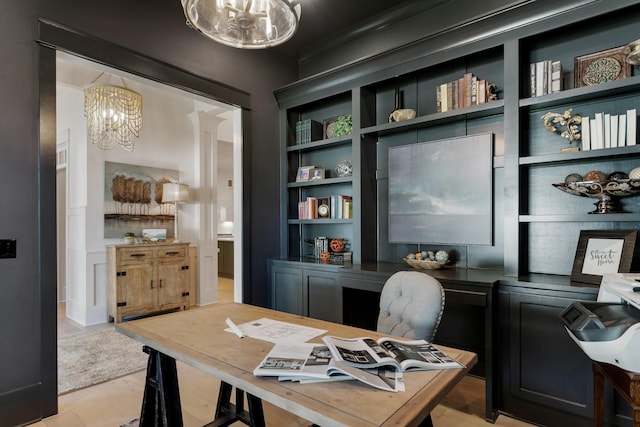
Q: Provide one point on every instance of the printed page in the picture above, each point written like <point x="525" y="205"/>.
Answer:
<point x="360" y="352"/>
<point x="276" y="331"/>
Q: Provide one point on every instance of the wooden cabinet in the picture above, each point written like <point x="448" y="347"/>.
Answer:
<point x="146" y="279"/>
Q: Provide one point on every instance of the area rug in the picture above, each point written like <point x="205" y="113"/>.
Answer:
<point x="96" y="356"/>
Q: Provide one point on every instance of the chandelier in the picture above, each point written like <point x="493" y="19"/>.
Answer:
<point x="114" y="114"/>
<point x="247" y="24"/>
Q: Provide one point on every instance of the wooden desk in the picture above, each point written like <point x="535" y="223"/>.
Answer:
<point x="626" y="383"/>
<point x="197" y="338"/>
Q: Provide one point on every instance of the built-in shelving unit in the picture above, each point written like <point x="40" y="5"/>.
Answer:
<point x="536" y="227"/>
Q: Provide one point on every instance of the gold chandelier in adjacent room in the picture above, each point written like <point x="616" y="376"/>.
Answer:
<point x="114" y="115"/>
<point x="246" y="24"/>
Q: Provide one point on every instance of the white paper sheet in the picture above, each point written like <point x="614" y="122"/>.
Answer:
<point x="277" y="331"/>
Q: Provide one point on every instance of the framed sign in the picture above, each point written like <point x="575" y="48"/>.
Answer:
<point x="602" y="252"/>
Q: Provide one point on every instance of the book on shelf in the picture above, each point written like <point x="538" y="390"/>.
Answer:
<point x="308" y="131"/>
<point x="606" y="123"/>
<point x="545" y="77"/>
<point x="394" y="353"/>
<point x="308" y="208"/>
<point x="463" y="92"/>
<point x="614" y="131"/>
<point x="606" y="130"/>
<point x="309" y="362"/>
<point x="585" y="130"/>
<point x="334" y="207"/>
<point x="631" y="126"/>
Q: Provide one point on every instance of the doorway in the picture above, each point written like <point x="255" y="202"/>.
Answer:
<point x="81" y="186"/>
<point x="180" y="130"/>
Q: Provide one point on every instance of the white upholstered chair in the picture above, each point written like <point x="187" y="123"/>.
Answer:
<point x="411" y="306"/>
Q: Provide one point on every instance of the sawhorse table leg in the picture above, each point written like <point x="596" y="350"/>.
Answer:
<point x="161" y="401"/>
<point x="227" y="413"/>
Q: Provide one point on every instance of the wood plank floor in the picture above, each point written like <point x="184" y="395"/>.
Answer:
<point x="116" y="402"/>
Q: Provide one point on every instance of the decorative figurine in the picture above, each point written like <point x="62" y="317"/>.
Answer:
<point x="570" y="123"/>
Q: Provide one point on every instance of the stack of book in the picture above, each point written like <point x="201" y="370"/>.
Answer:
<point x="307" y="131"/>
<point x="607" y="130"/>
<point x="466" y="91"/>
<point x="546" y="77"/>
<point x="329" y="207"/>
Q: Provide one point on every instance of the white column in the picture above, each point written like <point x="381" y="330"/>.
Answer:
<point x="205" y="204"/>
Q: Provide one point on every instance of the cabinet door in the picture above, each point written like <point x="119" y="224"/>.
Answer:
<point x="227" y="259"/>
<point x="323" y="296"/>
<point x="550" y="379"/>
<point x="173" y="283"/>
<point x="287" y="290"/>
<point x="136" y="288"/>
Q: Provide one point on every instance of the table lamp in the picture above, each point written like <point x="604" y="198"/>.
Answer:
<point x="175" y="193"/>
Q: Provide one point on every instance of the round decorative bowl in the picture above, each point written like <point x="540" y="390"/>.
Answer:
<point x="424" y="264"/>
<point x="604" y="191"/>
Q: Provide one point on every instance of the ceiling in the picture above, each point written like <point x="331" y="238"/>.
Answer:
<point x="347" y="19"/>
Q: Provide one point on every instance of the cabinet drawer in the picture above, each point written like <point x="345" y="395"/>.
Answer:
<point x="134" y="255"/>
<point x="180" y="252"/>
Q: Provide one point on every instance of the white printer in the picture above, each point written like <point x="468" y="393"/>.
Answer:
<point x="608" y="330"/>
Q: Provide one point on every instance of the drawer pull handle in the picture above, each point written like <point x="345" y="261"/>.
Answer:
<point x="151" y="283"/>
<point x="172" y="253"/>
<point x="160" y="283"/>
<point x="137" y="255"/>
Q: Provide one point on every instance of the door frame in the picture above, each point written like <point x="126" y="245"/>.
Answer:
<point x="53" y="37"/>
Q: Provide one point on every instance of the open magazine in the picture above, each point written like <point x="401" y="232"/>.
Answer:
<point x="399" y="354"/>
<point x="309" y="362"/>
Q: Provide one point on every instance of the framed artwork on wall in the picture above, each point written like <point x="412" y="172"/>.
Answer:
<point x="132" y="199"/>
<point x="441" y="192"/>
<point x="602" y="252"/>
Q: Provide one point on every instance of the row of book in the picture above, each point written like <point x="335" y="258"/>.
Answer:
<point x="330" y="207"/>
<point x="466" y="91"/>
<point x="546" y="77"/>
<point x="607" y="130"/>
<point x="308" y="131"/>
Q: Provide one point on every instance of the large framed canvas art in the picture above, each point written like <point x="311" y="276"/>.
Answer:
<point x="441" y="192"/>
<point x="132" y="199"/>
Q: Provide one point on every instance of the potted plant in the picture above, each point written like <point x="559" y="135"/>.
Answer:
<point x="129" y="238"/>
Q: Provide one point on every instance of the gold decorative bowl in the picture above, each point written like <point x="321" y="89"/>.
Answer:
<point x="424" y="264"/>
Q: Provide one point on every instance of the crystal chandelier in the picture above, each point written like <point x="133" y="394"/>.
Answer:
<point x="247" y="24"/>
<point x="114" y="114"/>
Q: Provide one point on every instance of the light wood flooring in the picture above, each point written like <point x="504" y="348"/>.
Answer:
<point x="116" y="402"/>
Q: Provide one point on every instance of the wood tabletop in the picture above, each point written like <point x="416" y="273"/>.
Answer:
<point x="197" y="337"/>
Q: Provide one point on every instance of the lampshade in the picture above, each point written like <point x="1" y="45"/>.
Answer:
<point x="247" y="24"/>
<point x="114" y="115"/>
<point x="175" y="193"/>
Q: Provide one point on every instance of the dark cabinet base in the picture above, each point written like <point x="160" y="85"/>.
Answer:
<point x="350" y="294"/>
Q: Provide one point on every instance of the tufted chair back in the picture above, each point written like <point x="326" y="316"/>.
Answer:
<point x="411" y="306"/>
